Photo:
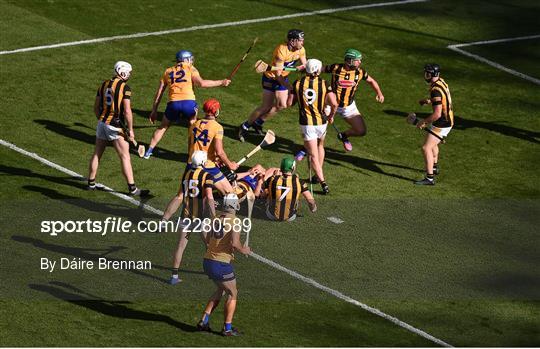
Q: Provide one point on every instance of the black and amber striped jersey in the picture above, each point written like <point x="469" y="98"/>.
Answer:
<point x="111" y="93"/>
<point x="194" y="183"/>
<point x="345" y="82"/>
<point x="310" y="92"/>
<point x="283" y="194"/>
<point x="439" y="94"/>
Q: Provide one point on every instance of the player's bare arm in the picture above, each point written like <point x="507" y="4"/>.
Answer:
<point x="375" y="86"/>
<point x="200" y="82"/>
<point x="237" y="245"/>
<point x="310" y="200"/>
<point x="128" y="116"/>
<point x="437" y="113"/>
<point x="331" y="100"/>
<point x="157" y="100"/>
<point x="97" y="106"/>
<point x="220" y="152"/>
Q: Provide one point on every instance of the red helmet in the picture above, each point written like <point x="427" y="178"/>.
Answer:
<point x="212" y="106"/>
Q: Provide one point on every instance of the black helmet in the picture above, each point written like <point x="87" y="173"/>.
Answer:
<point x="433" y="69"/>
<point x="295" y="34"/>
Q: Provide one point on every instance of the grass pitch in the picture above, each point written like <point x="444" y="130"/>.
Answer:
<point x="458" y="260"/>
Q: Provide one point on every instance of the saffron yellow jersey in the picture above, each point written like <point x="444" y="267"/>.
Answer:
<point x="111" y="94"/>
<point x="202" y="134"/>
<point x="220" y="247"/>
<point x="283" y="57"/>
<point x="178" y="79"/>
<point x="439" y="94"/>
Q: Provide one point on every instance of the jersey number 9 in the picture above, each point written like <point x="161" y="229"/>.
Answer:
<point x="310" y="96"/>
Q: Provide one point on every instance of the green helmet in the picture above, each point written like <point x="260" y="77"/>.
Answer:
<point x="352" y="54"/>
<point x="288" y="164"/>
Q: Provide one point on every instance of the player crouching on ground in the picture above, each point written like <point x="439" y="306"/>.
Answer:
<point x="247" y="185"/>
<point x="282" y="191"/>
<point x="113" y="108"/>
<point x="441" y="121"/>
<point x="217" y="265"/>
<point x="312" y="93"/>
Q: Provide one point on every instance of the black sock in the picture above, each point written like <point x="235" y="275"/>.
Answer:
<point x="132" y="187"/>
<point x="429" y="176"/>
<point x="91" y="182"/>
<point x="174" y="271"/>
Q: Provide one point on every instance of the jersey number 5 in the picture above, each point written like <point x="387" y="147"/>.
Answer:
<point x="191" y="187"/>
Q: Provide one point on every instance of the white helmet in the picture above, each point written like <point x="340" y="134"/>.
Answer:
<point x="122" y="69"/>
<point x="313" y="66"/>
<point x="231" y="202"/>
<point x="198" y="158"/>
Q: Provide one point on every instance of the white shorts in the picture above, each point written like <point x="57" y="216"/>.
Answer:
<point x="440" y="131"/>
<point x="348" y="112"/>
<point x="311" y="132"/>
<point x="108" y="132"/>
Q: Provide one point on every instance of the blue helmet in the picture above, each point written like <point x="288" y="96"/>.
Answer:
<point x="184" y="55"/>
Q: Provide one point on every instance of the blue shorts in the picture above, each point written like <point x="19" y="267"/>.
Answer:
<point x="250" y="180"/>
<point x="218" y="271"/>
<point x="178" y="109"/>
<point x="272" y="84"/>
<point x="212" y="170"/>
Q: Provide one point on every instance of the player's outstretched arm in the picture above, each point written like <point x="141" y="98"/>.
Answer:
<point x="375" y="86"/>
<point x="200" y="82"/>
<point x="310" y="200"/>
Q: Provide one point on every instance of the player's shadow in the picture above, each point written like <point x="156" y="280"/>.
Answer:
<point x="464" y="124"/>
<point x="90" y="138"/>
<point x="115" y="210"/>
<point x="288" y="146"/>
<point x="77" y="182"/>
<point x="116" y="309"/>
<point x="94" y="254"/>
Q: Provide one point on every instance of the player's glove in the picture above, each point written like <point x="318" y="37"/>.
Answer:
<point x="230" y="175"/>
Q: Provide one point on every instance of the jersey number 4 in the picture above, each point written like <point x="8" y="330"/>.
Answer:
<point x="201" y="137"/>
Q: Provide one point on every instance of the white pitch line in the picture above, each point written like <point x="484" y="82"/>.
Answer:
<point x="209" y="26"/>
<point x="76" y="175"/>
<point x="260" y="258"/>
<point x="335" y="220"/>
<point x="457" y="48"/>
